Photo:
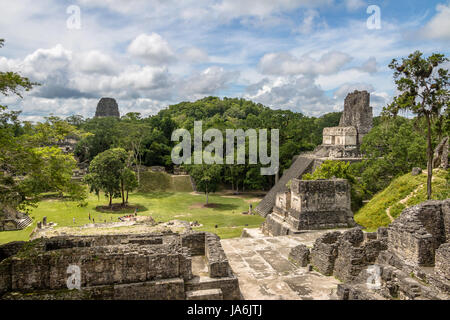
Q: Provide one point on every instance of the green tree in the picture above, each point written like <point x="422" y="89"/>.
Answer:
<point x="391" y="149"/>
<point x="206" y="177"/>
<point x="423" y="88"/>
<point x="129" y="181"/>
<point x="330" y="169"/>
<point x="106" y="173"/>
<point x="29" y="164"/>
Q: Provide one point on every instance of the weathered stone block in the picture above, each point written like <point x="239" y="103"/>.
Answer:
<point x="443" y="260"/>
<point x="299" y="255"/>
<point x="324" y="252"/>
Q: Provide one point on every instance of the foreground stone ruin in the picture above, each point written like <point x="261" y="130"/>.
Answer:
<point x="143" y="267"/>
<point x="408" y="260"/>
<point x="310" y="205"/>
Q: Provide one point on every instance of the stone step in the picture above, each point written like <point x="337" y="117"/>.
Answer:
<point x="209" y="294"/>
<point x="23" y="223"/>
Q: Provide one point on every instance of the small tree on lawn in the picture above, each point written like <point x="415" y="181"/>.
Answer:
<point x="206" y="177"/>
<point x="423" y="90"/>
<point x="129" y="181"/>
<point x="105" y="173"/>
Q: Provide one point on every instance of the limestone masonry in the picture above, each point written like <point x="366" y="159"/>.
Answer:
<point x="310" y="205"/>
<point x="408" y="260"/>
<point x="144" y="267"/>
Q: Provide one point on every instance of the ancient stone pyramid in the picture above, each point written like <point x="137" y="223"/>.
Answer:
<point x="107" y="107"/>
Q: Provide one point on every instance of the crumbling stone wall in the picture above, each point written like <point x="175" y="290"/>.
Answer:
<point x="355" y="253"/>
<point x="299" y="255"/>
<point x="345" y="255"/>
<point x="414" y="242"/>
<point x="419" y="231"/>
<point x="9" y="249"/>
<point x="195" y="241"/>
<point x="218" y="265"/>
<point x="357" y="113"/>
<point x="146" y="266"/>
<point x="324" y="252"/>
<point x="443" y="260"/>
<point x="440" y="155"/>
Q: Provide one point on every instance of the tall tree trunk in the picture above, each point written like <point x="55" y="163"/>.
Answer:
<point x="110" y="200"/>
<point x="206" y="194"/>
<point x="127" y="197"/>
<point x="122" y="192"/>
<point x="429" y="158"/>
<point x="139" y="173"/>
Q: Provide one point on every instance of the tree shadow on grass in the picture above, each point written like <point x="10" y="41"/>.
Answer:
<point x="155" y="195"/>
<point x="119" y="209"/>
<point x="215" y="206"/>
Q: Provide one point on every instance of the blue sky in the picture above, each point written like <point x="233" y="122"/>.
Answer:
<point x="290" y="54"/>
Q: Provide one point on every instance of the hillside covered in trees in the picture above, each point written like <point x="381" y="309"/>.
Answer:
<point x="150" y="138"/>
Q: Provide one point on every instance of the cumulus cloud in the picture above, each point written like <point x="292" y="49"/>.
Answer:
<point x="262" y="8"/>
<point x="439" y="26"/>
<point x="207" y="81"/>
<point x="370" y="65"/>
<point x="353" y="5"/>
<point x="286" y="64"/>
<point x="152" y="48"/>
<point x="194" y="54"/>
<point x="347" y="88"/>
<point x="96" y="62"/>
<point x="299" y="94"/>
<point x="42" y="63"/>
<point x="309" y="22"/>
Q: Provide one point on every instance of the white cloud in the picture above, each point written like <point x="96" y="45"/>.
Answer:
<point x="439" y="26"/>
<point x="353" y="5"/>
<point x="47" y="62"/>
<point x="96" y="62"/>
<point x="309" y="22"/>
<point x="207" y="81"/>
<point x="286" y="64"/>
<point x="262" y="8"/>
<point x="194" y="54"/>
<point x="370" y="65"/>
<point x="347" y="88"/>
<point x="152" y="48"/>
<point x="299" y="94"/>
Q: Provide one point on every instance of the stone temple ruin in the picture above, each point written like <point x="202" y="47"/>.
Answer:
<point x="310" y="205"/>
<point x="410" y="259"/>
<point x="356" y="121"/>
<point x="322" y="204"/>
<point x="340" y="143"/>
<point x="154" y="266"/>
<point x="107" y="107"/>
<point x="11" y="219"/>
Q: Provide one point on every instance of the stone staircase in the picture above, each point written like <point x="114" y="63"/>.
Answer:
<point x="301" y="165"/>
<point x="23" y="223"/>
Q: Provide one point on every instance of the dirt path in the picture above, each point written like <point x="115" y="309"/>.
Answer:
<point x="403" y="201"/>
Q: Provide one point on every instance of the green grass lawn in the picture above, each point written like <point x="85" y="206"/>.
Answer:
<point x="162" y="206"/>
<point x="373" y="214"/>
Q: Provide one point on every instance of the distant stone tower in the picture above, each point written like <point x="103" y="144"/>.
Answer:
<point x="357" y="113"/>
<point x="107" y="107"/>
